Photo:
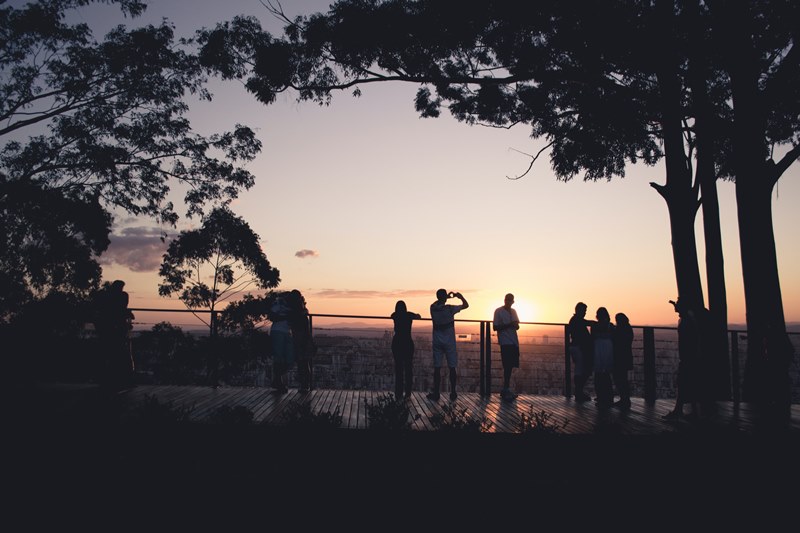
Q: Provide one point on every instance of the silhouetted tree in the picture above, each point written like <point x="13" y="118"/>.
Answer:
<point x="214" y="263"/>
<point x="605" y="83"/>
<point x="88" y="127"/>
<point x="758" y="43"/>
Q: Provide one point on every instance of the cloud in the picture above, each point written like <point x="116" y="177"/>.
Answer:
<point x="139" y="248"/>
<point x="349" y="294"/>
<point x="302" y="254"/>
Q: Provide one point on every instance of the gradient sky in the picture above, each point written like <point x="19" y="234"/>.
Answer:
<point x="362" y="203"/>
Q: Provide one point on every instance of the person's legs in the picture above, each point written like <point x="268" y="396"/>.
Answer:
<point x="453" y="393"/>
<point x="437" y="383"/>
<point x="438" y="357"/>
<point x="623" y="388"/>
<point x="408" y="370"/>
<point x="398" y="377"/>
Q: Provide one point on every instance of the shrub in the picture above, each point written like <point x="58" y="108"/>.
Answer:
<point x="152" y="411"/>
<point x="389" y="414"/>
<point x="453" y="419"/>
<point x="299" y="416"/>
<point x="539" y="422"/>
<point x="232" y="416"/>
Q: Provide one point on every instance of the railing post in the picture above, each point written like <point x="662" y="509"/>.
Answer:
<point x="482" y="373"/>
<point x="648" y="338"/>
<point x="735" y="381"/>
<point x="311" y="359"/>
<point x="567" y="364"/>
<point x="488" y="359"/>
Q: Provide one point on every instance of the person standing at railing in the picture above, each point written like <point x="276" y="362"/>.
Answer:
<point x="113" y="323"/>
<point x="302" y="342"/>
<point x="580" y="349"/>
<point x="281" y="343"/>
<point x="688" y="354"/>
<point x="623" y="359"/>
<point x="444" y="340"/>
<point x="403" y="350"/>
<point x="506" y="324"/>
<point x="603" y="357"/>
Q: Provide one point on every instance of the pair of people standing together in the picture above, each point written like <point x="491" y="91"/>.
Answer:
<point x="291" y="341"/>
<point x="505" y="322"/>
<point x="444" y="344"/>
<point x="605" y="349"/>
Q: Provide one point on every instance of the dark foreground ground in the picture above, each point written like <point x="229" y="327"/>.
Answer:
<point x="89" y="469"/>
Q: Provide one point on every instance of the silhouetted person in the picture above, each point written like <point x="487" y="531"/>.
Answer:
<point x="281" y="343"/>
<point x="580" y="350"/>
<point x="623" y="359"/>
<point x="506" y="324"/>
<point x="688" y="354"/>
<point x="603" y="345"/>
<point x="403" y="349"/>
<point x="113" y="324"/>
<point x="302" y="342"/>
<point x="444" y="340"/>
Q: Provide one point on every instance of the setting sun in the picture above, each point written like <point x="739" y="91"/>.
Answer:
<point x="526" y="310"/>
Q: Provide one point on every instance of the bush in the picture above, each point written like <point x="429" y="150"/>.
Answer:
<point x="151" y="411"/>
<point x="389" y="414"/>
<point x="453" y="419"/>
<point x="299" y="416"/>
<point x="232" y="416"/>
<point x="539" y="422"/>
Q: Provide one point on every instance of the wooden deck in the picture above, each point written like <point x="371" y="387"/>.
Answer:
<point x="573" y="418"/>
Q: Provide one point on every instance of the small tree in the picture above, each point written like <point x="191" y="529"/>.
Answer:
<point x="214" y="263"/>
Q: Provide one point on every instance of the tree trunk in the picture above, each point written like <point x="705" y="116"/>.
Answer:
<point x="681" y="198"/>
<point x="769" y="351"/>
<point x="717" y="359"/>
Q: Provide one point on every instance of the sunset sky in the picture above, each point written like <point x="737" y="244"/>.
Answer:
<point x="362" y="203"/>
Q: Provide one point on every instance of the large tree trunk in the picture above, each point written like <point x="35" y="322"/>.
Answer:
<point x="769" y="352"/>
<point x="716" y="356"/>
<point x="681" y="198"/>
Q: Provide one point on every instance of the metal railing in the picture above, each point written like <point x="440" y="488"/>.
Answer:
<point x="359" y="356"/>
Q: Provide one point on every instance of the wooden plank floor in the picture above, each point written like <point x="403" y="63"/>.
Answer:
<point x="504" y="417"/>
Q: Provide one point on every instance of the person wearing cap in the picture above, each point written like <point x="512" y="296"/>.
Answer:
<point x="688" y="352"/>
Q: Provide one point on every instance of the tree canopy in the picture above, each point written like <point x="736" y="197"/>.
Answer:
<point x="605" y="84"/>
<point x="209" y="265"/>
<point x="91" y="127"/>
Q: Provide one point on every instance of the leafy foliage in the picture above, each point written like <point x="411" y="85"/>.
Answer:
<point x="154" y="412"/>
<point x="227" y="247"/>
<point x="238" y="415"/>
<point x="89" y="127"/>
<point x="453" y="418"/>
<point x="539" y="422"/>
<point x="300" y="417"/>
<point x="389" y="414"/>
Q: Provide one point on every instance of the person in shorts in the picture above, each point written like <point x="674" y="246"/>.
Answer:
<point x="506" y="324"/>
<point x="444" y="339"/>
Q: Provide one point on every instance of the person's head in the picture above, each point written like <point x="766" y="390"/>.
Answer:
<point x="680" y="307"/>
<point x="622" y="319"/>
<point x="509" y="300"/>
<point x="400" y="307"/>
<point x="441" y="295"/>
<point x="602" y="315"/>
<point x="118" y="285"/>
<point x="580" y="309"/>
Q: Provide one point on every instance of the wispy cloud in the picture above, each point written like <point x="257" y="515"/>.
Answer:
<point x="302" y="254"/>
<point x="138" y="248"/>
<point x="349" y="294"/>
